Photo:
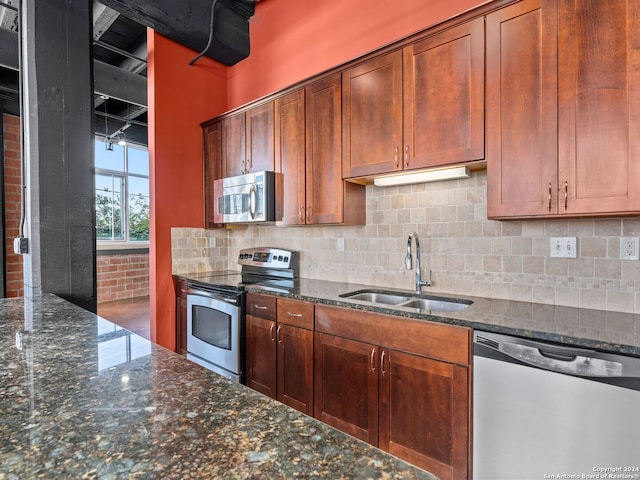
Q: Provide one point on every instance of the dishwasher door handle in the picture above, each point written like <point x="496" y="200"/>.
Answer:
<point x="569" y="363"/>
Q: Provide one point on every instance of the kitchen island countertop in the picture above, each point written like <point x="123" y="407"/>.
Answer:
<point x="83" y="398"/>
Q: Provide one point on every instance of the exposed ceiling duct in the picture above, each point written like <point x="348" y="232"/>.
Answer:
<point x="190" y="23"/>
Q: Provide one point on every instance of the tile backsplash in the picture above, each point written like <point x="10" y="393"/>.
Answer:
<point x="468" y="254"/>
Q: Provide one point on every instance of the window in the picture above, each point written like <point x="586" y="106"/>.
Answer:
<point x="122" y="193"/>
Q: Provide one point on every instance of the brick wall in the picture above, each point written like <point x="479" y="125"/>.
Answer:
<point x="12" y="203"/>
<point x="122" y="276"/>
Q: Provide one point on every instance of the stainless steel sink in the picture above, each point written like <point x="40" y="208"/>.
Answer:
<point x="376" y="297"/>
<point x="436" y="305"/>
<point x="421" y="303"/>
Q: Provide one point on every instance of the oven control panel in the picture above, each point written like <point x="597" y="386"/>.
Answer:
<point x="268" y="257"/>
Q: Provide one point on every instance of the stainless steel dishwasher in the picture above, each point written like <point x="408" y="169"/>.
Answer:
<point x="542" y="410"/>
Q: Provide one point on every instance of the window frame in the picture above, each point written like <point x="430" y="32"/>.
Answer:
<point x="125" y="242"/>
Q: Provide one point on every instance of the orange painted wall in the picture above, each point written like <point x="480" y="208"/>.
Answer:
<point x="292" y="39"/>
<point x="180" y="98"/>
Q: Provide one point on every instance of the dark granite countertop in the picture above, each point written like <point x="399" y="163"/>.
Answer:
<point x="597" y="329"/>
<point x="83" y="398"/>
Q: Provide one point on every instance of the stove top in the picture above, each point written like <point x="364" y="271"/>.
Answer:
<point x="269" y="268"/>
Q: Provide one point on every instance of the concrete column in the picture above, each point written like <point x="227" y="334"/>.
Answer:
<point x="57" y="85"/>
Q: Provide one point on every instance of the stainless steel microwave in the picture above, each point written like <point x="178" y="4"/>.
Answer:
<point x="254" y="197"/>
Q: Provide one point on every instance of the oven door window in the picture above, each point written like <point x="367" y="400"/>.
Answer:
<point x="212" y="326"/>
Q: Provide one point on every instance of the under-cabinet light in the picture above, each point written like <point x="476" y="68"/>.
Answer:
<point x="422" y="176"/>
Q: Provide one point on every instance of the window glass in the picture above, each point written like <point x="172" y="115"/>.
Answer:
<point x="138" y="209"/>
<point x="138" y="160"/>
<point x="122" y="192"/>
<point x="109" y="196"/>
<point x="110" y="160"/>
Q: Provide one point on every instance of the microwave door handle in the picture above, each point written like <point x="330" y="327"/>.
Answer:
<point x="253" y="200"/>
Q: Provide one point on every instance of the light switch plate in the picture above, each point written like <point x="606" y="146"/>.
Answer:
<point x="629" y="248"/>
<point x="563" y="247"/>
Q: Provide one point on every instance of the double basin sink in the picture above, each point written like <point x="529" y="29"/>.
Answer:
<point x="419" y="303"/>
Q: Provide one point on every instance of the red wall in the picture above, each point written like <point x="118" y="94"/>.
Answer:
<point x="290" y="40"/>
<point x="180" y="98"/>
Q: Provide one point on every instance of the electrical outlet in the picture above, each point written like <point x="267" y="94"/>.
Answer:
<point x="629" y="248"/>
<point x="563" y="247"/>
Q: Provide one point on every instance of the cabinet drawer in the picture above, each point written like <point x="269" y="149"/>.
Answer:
<point x="262" y="306"/>
<point x="296" y="313"/>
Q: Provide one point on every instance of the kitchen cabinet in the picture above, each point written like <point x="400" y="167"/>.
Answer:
<point x="561" y="130"/>
<point x="419" y="107"/>
<point x="280" y="349"/>
<point x="181" y="287"/>
<point x="399" y="384"/>
<point x="212" y="148"/>
<point x="247" y="141"/>
<point x="309" y="155"/>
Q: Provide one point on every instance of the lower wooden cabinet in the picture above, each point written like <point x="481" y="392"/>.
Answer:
<point x="399" y="384"/>
<point x="279" y="357"/>
<point x="411" y="405"/>
<point x="180" y="286"/>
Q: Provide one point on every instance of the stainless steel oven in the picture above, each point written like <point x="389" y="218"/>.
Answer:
<point x="215" y="329"/>
<point x="216" y="307"/>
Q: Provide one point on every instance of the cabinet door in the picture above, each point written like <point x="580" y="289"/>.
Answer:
<point x="346" y="386"/>
<point x="521" y="110"/>
<point x="295" y="367"/>
<point x="233" y="145"/>
<point x="290" y="155"/>
<point x="444" y="97"/>
<point x="324" y="185"/>
<point x="212" y="145"/>
<point x="599" y="106"/>
<point x="372" y="116"/>
<point x="424" y="413"/>
<point x="261" y="355"/>
<point x="260" y="146"/>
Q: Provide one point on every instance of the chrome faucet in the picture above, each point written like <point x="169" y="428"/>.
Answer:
<point x="408" y="261"/>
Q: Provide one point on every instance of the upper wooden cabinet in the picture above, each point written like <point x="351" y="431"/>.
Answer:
<point x="562" y="127"/>
<point x="247" y="141"/>
<point x="372" y="116"/>
<point x="599" y="106"/>
<point x="212" y="147"/>
<point x="309" y="154"/>
<point x="419" y="107"/>
<point x="444" y="97"/>
<point x="290" y="156"/>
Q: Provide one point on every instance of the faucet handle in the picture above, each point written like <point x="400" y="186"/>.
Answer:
<point x="408" y="261"/>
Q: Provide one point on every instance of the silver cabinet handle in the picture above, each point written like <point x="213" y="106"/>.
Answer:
<point x="382" y="370"/>
<point x="294" y="314"/>
<point x="566" y="193"/>
<point x="549" y="196"/>
<point x="278" y="334"/>
<point x="373" y="359"/>
<point x="406" y="155"/>
<point x="259" y="307"/>
<point x="396" y="156"/>
<point x="271" y="329"/>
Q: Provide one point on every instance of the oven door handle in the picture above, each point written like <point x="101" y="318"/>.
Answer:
<point x="215" y="296"/>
